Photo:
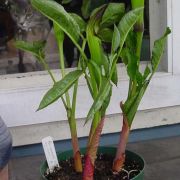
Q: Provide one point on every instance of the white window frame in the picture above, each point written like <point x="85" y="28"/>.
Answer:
<point x="20" y="94"/>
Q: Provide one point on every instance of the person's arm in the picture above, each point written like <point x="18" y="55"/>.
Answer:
<point x="5" y="149"/>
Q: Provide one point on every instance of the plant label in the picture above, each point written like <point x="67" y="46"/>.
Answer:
<point x="50" y="153"/>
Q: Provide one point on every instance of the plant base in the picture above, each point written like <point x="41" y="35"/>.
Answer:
<point x="133" y="168"/>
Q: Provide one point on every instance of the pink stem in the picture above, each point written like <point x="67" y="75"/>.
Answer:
<point x="90" y="157"/>
<point x="120" y="154"/>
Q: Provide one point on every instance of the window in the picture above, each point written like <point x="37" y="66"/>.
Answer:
<point x="19" y="21"/>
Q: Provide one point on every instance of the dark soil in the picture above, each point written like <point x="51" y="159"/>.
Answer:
<point x="102" y="171"/>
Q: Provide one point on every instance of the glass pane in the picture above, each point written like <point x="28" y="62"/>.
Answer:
<point x="19" y="21"/>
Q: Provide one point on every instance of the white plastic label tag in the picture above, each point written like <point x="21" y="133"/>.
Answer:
<point x="50" y="153"/>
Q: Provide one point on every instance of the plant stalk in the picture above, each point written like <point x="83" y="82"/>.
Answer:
<point x="138" y="30"/>
<point x="94" y="125"/>
<point x="61" y="54"/>
<point x="75" y="145"/>
<point x="71" y="115"/>
<point x="120" y="154"/>
<point x="88" y="173"/>
<point x="76" y="84"/>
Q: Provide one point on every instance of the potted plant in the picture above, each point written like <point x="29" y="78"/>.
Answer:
<point x="108" y="26"/>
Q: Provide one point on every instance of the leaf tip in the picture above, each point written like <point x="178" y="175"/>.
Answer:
<point x="168" y="30"/>
<point x="40" y="108"/>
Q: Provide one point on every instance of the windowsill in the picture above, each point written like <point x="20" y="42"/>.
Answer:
<point x="40" y="79"/>
<point x="20" y="97"/>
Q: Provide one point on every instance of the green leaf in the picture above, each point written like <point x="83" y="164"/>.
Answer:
<point x="131" y="41"/>
<point x="95" y="72"/>
<point x="123" y="56"/>
<point x="115" y="39"/>
<point x="114" y="77"/>
<point x="81" y="23"/>
<point x="106" y="103"/>
<point x="158" y="50"/>
<point x="100" y="99"/>
<point x="112" y="14"/>
<point x="131" y="61"/>
<point x="85" y="9"/>
<point x="139" y="78"/>
<point x="35" y="47"/>
<point x="89" y="5"/>
<point x="132" y="104"/>
<point x="105" y="34"/>
<point x="135" y="105"/>
<point x="129" y="102"/>
<point x="95" y="48"/>
<point x="124" y="26"/>
<point x="59" y="34"/>
<point x="106" y="65"/>
<point x="58" y="15"/>
<point x="132" y="66"/>
<point x="66" y="1"/>
<point x="127" y="23"/>
<point x="147" y="72"/>
<point x="94" y="43"/>
<point x="59" y="88"/>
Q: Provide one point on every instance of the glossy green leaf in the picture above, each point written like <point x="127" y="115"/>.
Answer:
<point x="127" y="23"/>
<point x="60" y="88"/>
<point x="147" y="72"/>
<point x="131" y="41"/>
<point x="105" y="34"/>
<point x="106" y="65"/>
<point x="98" y="102"/>
<point x="112" y="14"/>
<point x="57" y="14"/>
<point x="123" y="56"/>
<point x="34" y="47"/>
<point x="158" y="50"/>
<point x="95" y="48"/>
<point x="90" y="87"/>
<point x="132" y="104"/>
<point x="86" y="8"/>
<point x="106" y="103"/>
<point x="95" y="71"/>
<point x="125" y="26"/>
<point x="97" y="12"/>
<point x="139" y="78"/>
<point x="59" y="34"/>
<point x="128" y="103"/>
<point x="81" y="23"/>
<point x="94" y="43"/>
<point x="131" y="61"/>
<point x="89" y="5"/>
<point x="114" y="77"/>
<point x="115" y="39"/>
<point x="135" y="105"/>
<point x="132" y="66"/>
